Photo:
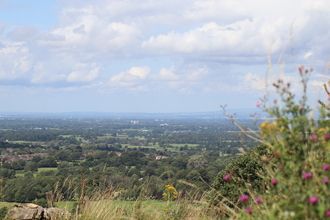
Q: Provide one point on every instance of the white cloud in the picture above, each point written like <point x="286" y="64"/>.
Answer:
<point x="247" y="38"/>
<point x="192" y="34"/>
<point x="131" y="78"/>
<point x="84" y="76"/>
<point x="42" y="74"/>
<point x="15" y="61"/>
<point x="317" y="83"/>
<point x="133" y="74"/>
<point x="92" y="36"/>
<point x="141" y="72"/>
<point x="167" y="74"/>
<point x="255" y="82"/>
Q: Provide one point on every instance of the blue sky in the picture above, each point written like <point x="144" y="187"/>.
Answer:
<point x="156" y="56"/>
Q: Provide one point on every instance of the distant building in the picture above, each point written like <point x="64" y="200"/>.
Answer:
<point x="160" y="157"/>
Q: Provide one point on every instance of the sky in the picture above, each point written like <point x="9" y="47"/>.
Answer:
<point x="156" y="56"/>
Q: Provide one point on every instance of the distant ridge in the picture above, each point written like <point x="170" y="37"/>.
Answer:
<point x="239" y="113"/>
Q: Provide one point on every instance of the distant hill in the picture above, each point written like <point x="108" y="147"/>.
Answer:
<point x="238" y="113"/>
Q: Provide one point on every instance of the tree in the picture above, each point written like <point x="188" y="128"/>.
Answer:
<point x="196" y="162"/>
<point x="247" y="168"/>
<point x="48" y="162"/>
<point x="31" y="166"/>
<point x="36" y="159"/>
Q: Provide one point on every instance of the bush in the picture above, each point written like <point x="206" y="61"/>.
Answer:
<point x="245" y="169"/>
<point x="296" y="178"/>
<point x="3" y="212"/>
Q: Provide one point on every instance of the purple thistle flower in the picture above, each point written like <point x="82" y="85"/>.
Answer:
<point x="244" y="198"/>
<point x="227" y="177"/>
<point x="325" y="180"/>
<point x="313" y="199"/>
<point x="273" y="181"/>
<point x="325" y="167"/>
<point x="258" y="104"/>
<point x="314" y="137"/>
<point x="248" y="210"/>
<point x="307" y="175"/>
<point x="326" y="136"/>
<point x="258" y="200"/>
<point x="327" y="213"/>
<point x="301" y="69"/>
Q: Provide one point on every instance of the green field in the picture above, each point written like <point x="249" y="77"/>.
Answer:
<point x="8" y="204"/>
<point x="28" y="142"/>
<point x="46" y="169"/>
<point x="181" y="145"/>
<point x="20" y="173"/>
<point x="174" y="148"/>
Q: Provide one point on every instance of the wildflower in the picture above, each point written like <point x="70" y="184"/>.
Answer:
<point x="264" y="158"/>
<point x="325" y="167"/>
<point x="280" y="80"/>
<point x="280" y="166"/>
<point x="328" y="97"/>
<point x="325" y="180"/>
<point x="273" y="181"/>
<point x="277" y="154"/>
<point x="227" y="177"/>
<point x="258" y="200"/>
<point x="307" y="175"/>
<point x="264" y="124"/>
<point x="313" y="199"/>
<point x="248" y="210"/>
<point x="326" y="137"/>
<point x="314" y="137"/>
<point x="327" y="213"/>
<point x="301" y="69"/>
<point x="258" y="104"/>
<point x="244" y="198"/>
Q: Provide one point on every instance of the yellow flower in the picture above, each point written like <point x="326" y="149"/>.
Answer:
<point x="264" y="124"/>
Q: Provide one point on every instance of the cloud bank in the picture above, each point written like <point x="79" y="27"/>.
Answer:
<point x="192" y="47"/>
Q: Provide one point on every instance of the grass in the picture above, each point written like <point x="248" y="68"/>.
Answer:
<point x="20" y="173"/>
<point x="150" y="209"/>
<point x="46" y="169"/>
<point x="182" y="145"/>
<point x="156" y="147"/>
<point x="8" y="204"/>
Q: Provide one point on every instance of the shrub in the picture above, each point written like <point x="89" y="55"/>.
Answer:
<point x="230" y="182"/>
<point x="296" y="177"/>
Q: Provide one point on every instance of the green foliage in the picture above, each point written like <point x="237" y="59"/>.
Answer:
<point x="296" y="178"/>
<point x="41" y="202"/>
<point x="245" y="169"/>
<point x="3" y="212"/>
<point x="196" y="162"/>
<point x="26" y="189"/>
